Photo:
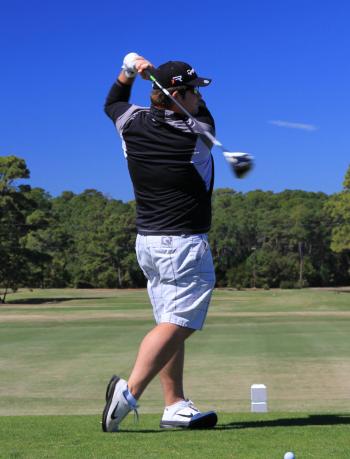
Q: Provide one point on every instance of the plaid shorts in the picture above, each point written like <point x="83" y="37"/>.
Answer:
<point x="180" y="275"/>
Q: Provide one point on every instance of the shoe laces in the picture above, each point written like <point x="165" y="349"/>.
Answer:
<point x="136" y="414"/>
<point x="133" y="407"/>
<point x="190" y="404"/>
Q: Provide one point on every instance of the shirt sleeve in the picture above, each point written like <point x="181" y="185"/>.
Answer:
<point x="117" y="101"/>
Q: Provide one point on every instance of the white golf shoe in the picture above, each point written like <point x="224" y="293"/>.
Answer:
<point x="184" y="414"/>
<point x="117" y="407"/>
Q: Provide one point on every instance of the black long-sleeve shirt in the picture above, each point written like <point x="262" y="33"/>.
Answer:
<point x="169" y="162"/>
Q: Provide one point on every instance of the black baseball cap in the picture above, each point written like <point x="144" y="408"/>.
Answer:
<point x="177" y="73"/>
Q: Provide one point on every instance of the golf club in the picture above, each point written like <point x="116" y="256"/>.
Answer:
<point x="240" y="163"/>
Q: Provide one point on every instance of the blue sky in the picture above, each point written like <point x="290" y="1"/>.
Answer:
<point x="280" y="69"/>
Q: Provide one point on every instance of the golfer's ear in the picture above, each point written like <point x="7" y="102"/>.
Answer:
<point x="177" y="95"/>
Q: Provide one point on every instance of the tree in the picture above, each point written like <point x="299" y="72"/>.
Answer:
<point x="259" y="238"/>
<point x="18" y="217"/>
<point x="11" y="169"/>
<point x="339" y="210"/>
<point x="100" y="238"/>
<point x="264" y="238"/>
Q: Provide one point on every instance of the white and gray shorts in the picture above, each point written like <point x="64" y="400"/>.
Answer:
<point x="180" y="275"/>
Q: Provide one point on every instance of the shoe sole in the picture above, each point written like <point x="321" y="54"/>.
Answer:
<point x="202" y="421"/>
<point x="108" y="390"/>
<point x="109" y="397"/>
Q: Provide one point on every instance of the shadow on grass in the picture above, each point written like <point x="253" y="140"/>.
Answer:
<point x="49" y="300"/>
<point x="312" y="420"/>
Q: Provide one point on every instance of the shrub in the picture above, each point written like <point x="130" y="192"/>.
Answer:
<point x="286" y="284"/>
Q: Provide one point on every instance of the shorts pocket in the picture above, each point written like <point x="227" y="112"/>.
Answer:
<point x="198" y="249"/>
<point x="185" y="260"/>
<point x="164" y="262"/>
<point x="144" y="260"/>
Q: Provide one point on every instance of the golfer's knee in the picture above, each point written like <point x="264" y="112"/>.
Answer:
<point x="177" y="331"/>
<point x="184" y="332"/>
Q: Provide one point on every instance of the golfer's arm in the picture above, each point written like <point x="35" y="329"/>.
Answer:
<point x="117" y="101"/>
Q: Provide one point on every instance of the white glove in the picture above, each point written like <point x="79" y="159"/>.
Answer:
<point x="129" y="65"/>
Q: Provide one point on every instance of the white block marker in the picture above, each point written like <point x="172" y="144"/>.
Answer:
<point x="258" y="395"/>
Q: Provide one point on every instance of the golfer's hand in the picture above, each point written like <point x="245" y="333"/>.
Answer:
<point x="133" y="65"/>
<point x="142" y="64"/>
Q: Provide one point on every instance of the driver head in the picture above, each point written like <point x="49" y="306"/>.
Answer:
<point x="241" y="163"/>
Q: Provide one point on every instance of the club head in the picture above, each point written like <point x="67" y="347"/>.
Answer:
<point x="240" y="163"/>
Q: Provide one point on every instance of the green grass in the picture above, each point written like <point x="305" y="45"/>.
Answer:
<point x="239" y="436"/>
<point x="59" y="348"/>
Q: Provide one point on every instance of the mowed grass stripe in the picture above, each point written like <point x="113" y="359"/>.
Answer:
<point x="69" y="316"/>
<point x="249" y="300"/>
<point x="225" y="303"/>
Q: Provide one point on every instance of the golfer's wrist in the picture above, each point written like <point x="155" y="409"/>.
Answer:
<point x="123" y="79"/>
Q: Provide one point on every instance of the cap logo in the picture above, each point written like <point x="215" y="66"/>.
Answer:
<point x="175" y="79"/>
<point x="190" y="71"/>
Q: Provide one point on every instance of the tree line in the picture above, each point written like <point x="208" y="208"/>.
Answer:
<point x="259" y="239"/>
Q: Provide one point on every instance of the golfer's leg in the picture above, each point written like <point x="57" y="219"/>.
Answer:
<point x="171" y="377"/>
<point x="156" y="349"/>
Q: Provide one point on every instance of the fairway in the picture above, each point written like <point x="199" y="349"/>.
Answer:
<point x="59" y="348"/>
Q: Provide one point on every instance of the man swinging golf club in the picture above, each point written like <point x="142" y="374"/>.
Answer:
<point x="172" y="172"/>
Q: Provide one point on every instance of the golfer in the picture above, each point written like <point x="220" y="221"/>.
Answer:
<point x="172" y="172"/>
